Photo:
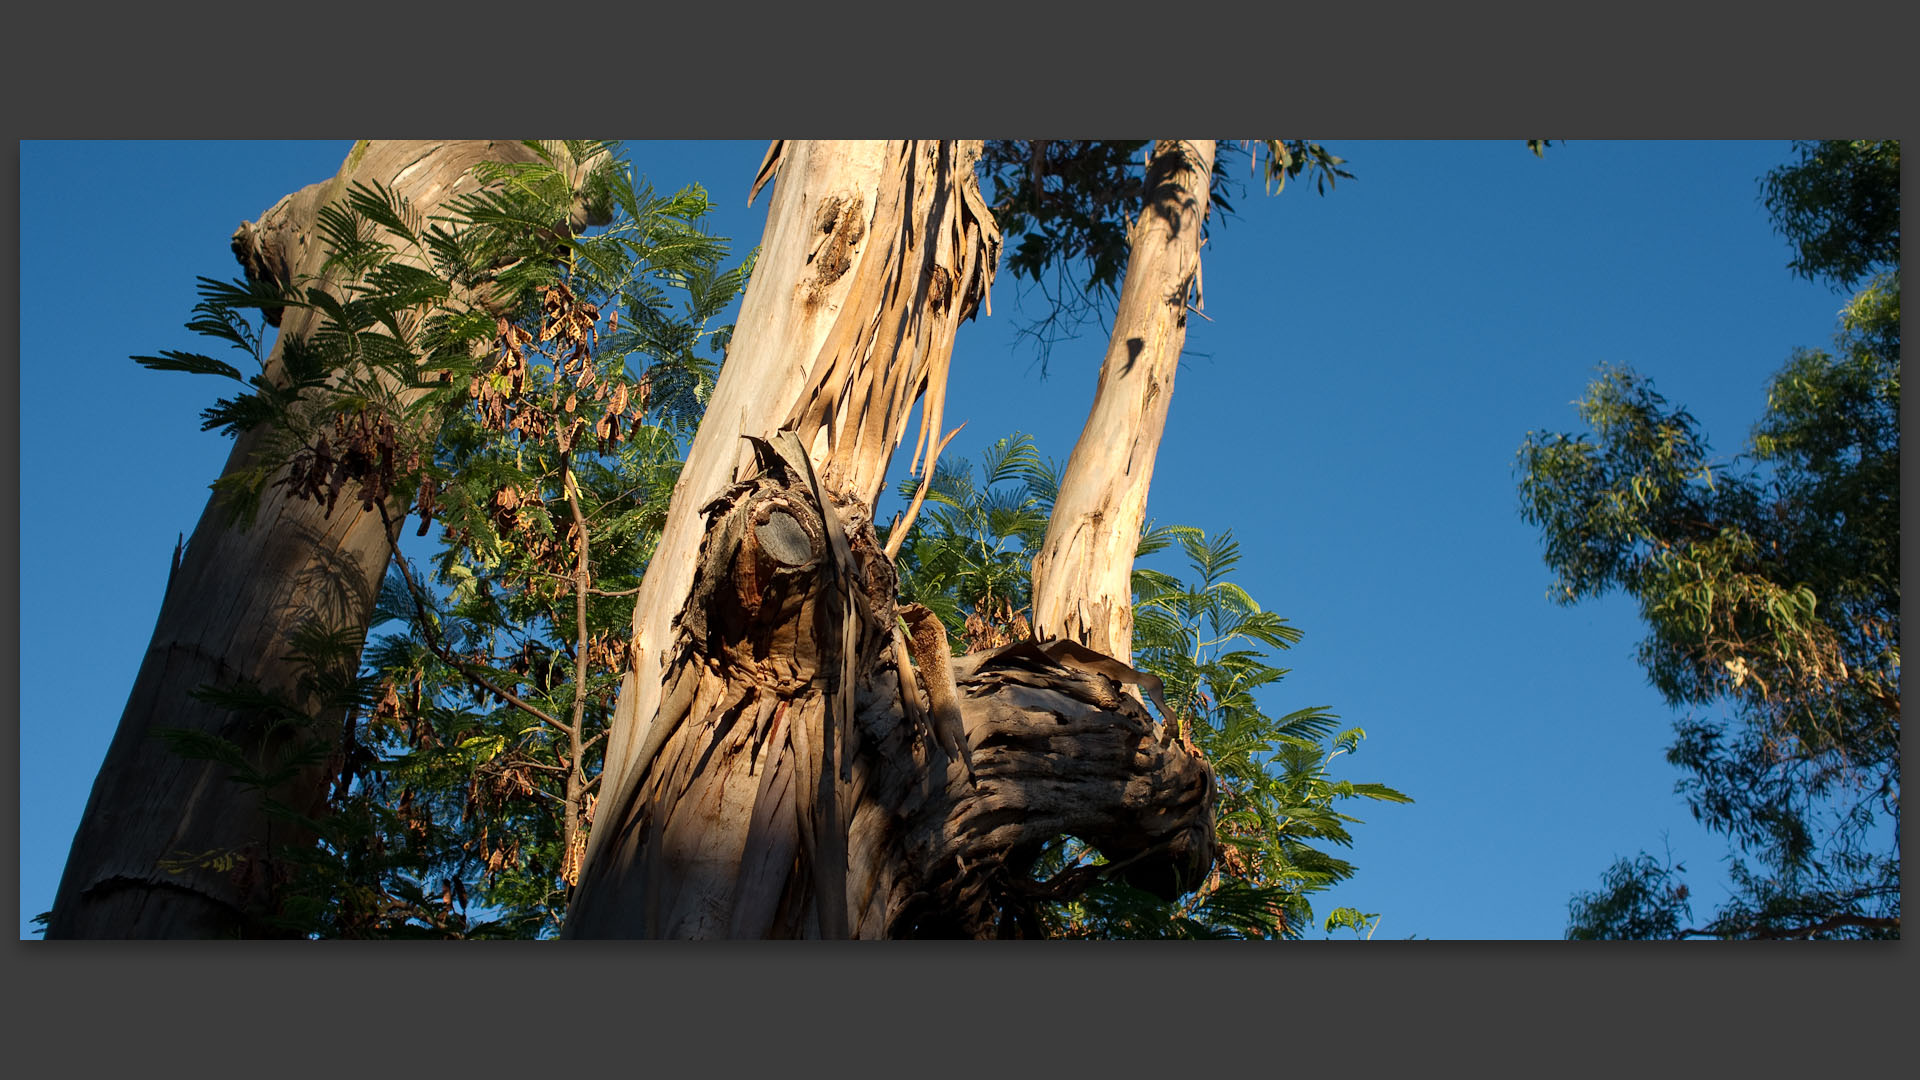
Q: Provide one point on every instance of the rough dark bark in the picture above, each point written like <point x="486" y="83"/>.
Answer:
<point x="790" y="795"/>
<point x="233" y="602"/>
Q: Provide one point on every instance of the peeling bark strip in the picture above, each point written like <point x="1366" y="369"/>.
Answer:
<point x="233" y="602"/>
<point x="763" y="782"/>
<point x="775" y="342"/>
<point x="1082" y="576"/>
<point x="873" y="255"/>
<point x="760" y="815"/>
<point x="936" y="246"/>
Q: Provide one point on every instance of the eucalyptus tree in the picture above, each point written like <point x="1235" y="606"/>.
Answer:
<point x="236" y="598"/>
<point x="390" y="283"/>
<point x="1770" y="587"/>
<point x="795" y="754"/>
<point x="789" y="765"/>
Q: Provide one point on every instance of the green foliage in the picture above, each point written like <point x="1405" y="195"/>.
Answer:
<point x="496" y="369"/>
<point x="1208" y="641"/>
<point x="1286" y="159"/>
<point x="1066" y="209"/>
<point x="1839" y="206"/>
<point x="1770" y="588"/>
<point x="1639" y="900"/>
<point x="969" y="557"/>
<point x="589" y="404"/>
<point x="1353" y="919"/>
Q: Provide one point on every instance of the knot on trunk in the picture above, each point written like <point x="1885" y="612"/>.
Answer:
<point x="261" y="251"/>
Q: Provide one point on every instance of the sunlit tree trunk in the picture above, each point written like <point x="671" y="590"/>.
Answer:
<point x="169" y="846"/>
<point x="767" y="777"/>
<point x="819" y="213"/>
<point x="1082" y="577"/>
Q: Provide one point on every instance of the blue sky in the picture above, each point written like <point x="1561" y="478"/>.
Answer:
<point x="1351" y="411"/>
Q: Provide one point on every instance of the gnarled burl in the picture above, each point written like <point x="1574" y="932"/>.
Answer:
<point x="787" y="793"/>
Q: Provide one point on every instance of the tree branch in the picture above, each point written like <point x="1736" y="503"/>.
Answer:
<point x="577" y="776"/>
<point x="1831" y="922"/>
<point x="439" y="650"/>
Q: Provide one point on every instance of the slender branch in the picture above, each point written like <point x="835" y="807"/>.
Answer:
<point x="899" y="535"/>
<point x="576" y="779"/>
<point x="1831" y="922"/>
<point x="439" y="650"/>
<point x="596" y="592"/>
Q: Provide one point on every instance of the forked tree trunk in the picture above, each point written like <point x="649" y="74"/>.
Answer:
<point x="146" y="861"/>
<point x="784" y="786"/>
<point x="1082" y="576"/>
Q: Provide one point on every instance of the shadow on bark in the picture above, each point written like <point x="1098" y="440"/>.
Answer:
<point x="789" y="790"/>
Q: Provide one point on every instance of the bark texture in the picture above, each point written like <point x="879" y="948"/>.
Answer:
<point x="1082" y="576"/>
<point x="234" y="600"/>
<point x="817" y="224"/>
<point x="774" y="778"/>
<point x="791" y="794"/>
<point x="873" y="255"/>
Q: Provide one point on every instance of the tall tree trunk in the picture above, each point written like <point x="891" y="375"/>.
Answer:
<point x="1082" y="576"/>
<point x="820" y="212"/>
<point x="774" y="780"/>
<point x="171" y="847"/>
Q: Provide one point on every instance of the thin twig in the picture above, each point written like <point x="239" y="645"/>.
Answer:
<point x="568" y="578"/>
<point x="576" y="778"/>
<point x="898" y="534"/>
<point x="433" y="643"/>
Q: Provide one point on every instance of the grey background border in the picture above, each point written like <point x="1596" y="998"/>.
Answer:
<point x="1620" y="70"/>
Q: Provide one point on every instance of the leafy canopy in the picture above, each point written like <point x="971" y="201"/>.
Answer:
<point x="1067" y="210"/>
<point x="1839" y="207"/>
<point x="1770" y="588"/>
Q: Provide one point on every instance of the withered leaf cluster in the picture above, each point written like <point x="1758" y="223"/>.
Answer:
<point x="993" y="624"/>
<point x="506" y="399"/>
<point x="609" y="652"/>
<point x="365" y="450"/>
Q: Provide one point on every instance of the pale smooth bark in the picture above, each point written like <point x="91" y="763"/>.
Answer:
<point x="1082" y="576"/>
<point x="772" y="779"/>
<point x="821" y="212"/>
<point x="229" y="610"/>
<point x="874" y="253"/>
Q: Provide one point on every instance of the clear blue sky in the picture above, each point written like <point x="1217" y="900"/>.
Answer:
<point x="1375" y="357"/>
